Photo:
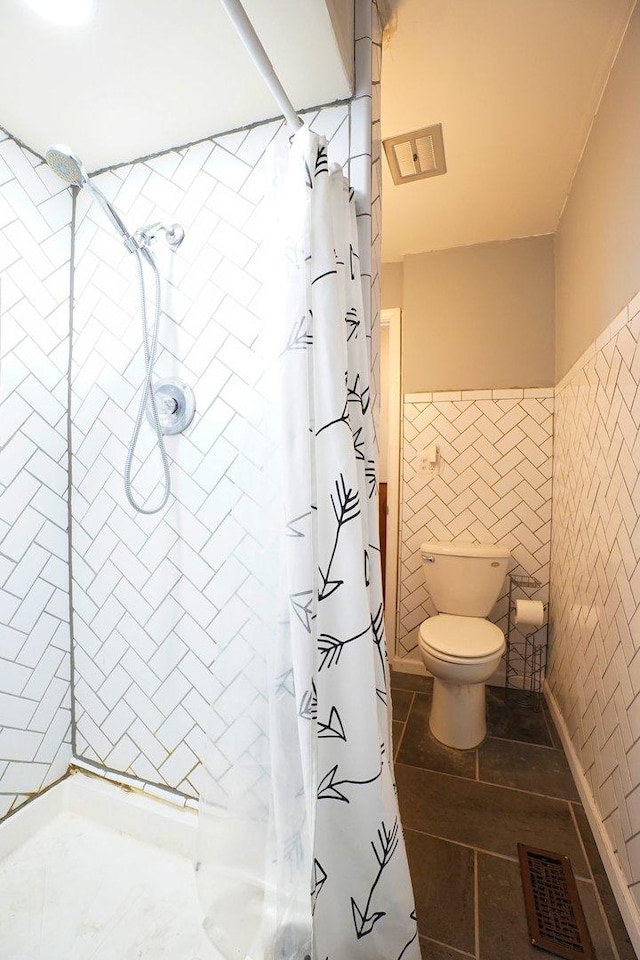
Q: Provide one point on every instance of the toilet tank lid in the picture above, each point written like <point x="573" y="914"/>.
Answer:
<point x="459" y="549"/>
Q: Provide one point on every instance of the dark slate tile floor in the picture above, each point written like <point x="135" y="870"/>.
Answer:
<point x="463" y="814"/>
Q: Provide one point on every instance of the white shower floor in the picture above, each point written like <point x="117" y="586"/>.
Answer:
<point x="83" y="888"/>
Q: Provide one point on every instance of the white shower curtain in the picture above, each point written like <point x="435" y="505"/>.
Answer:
<point x="302" y="853"/>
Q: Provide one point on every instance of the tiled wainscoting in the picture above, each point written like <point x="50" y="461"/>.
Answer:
<point x="494" y="486"/>
<point x="35" y="243"/>
<point x="594" y="664"/>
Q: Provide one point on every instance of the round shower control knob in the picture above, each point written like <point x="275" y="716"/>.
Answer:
<point x="175" y="403"/>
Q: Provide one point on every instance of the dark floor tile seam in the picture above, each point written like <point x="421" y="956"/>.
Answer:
<point x="530" y="793"/>
<point x="410" y="708"/>
<point x="397" y="748"/>
<point x="603" y="912"/>
<point x="476" y="902"/>
<point x="439" y="943"/>
<point x="459" y="843"/>
<point x="488" y="783"/>
<point x="527" y="743"/>
<point x="490" y="853"/>
<point x="477" y="776"/>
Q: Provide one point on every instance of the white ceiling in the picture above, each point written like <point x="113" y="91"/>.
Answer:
<point x="144" y="75"/>
<point x="515" y="84"/>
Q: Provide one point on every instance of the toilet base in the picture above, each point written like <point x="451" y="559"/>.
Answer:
<point x="458" y="714"/>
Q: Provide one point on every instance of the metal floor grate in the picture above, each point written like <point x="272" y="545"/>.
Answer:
<point x="554" y="913"/>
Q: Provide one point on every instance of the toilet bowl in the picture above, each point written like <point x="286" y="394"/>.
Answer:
<point x="460" y="648"/>
<point x="461" y="653"/>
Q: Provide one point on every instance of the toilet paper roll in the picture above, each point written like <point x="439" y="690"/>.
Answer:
<point x="529" y="613"/>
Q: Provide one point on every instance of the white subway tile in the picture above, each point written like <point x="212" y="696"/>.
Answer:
<point x="514" y="394"/>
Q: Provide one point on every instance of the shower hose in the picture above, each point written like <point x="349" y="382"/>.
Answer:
<point x="147" y="396"/>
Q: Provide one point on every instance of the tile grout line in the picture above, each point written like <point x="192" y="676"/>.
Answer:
<point x="476" y="903"/>
<point x="603" y="912"/>
<point x="397" y="746"/>
<point x="72" y="670"/>
<point x="488" y="783"/>
<point x="489" y="853"/>
<point x="404" y="728"/>
<point x="527" y="743"/>
<point x="440" y="943"/>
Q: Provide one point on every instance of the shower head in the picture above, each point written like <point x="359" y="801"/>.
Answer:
<point x="70" y="168"/>
<point x="66" y="164"/>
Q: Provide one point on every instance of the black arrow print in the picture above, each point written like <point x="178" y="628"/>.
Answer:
<point x="308" y="176"/>
<point x="413" y="917"/>
<point x="322" y="160"/>
<point x="377" y="630"/>
<point x="370" y="474"/>
<point x="381" y="695"/>
<point x="355" y="395"/>
<point x="318" y="878"/>
<point x="364" y="924"/>
<point x="388" y="840"/>
<point x="344" y="416"/>
<point x="367" y="565"/>
<point x="309" y="704"/>
<point x="353" y="256"/>
<point x="328" y="788"/>
<point x="302" y="604"/>
<point x="333" y="728"/>
<point x="351" y="319"/>
<point x="358" y="444"/>
<point x="346" y="507"/>
<point x="331" y="647"/>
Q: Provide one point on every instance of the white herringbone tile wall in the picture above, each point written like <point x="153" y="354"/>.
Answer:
<point x="494" y="486"/>
<point x="594" y="667"/>
<point x="153" y="596"/>
<point x="35" y="709"/>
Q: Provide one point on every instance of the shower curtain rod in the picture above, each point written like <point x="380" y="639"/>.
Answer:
<point x="258" y="54"/>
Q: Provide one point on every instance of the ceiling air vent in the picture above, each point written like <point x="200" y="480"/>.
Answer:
<point x="414" y="156"/>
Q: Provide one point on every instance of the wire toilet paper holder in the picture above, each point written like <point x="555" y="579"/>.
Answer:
<point x="525" y="664"/>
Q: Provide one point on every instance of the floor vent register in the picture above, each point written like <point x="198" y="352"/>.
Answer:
<point x="554" y="913"/>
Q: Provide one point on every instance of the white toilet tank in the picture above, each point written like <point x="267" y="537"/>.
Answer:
<point x="464" y="578"/>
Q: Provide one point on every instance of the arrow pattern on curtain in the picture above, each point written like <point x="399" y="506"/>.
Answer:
<point x="334" y="583"/>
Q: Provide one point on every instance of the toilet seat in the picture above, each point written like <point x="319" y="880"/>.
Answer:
<point x="461" y="639"/>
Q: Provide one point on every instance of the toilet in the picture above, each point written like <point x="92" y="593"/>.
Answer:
<point x="459" y="647"/>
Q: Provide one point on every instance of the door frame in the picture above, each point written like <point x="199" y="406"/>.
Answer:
<point x="393" y="320"/>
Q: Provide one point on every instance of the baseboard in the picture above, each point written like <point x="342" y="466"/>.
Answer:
<point x="407" y="665"/>
<point x="624" y="899"/>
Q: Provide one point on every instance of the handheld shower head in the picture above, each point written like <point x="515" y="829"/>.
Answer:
<point x="70" y="168"/>
<point x="66" y="164"/>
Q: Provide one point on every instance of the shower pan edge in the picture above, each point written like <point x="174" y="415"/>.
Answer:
<point x="94" y="869"/>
